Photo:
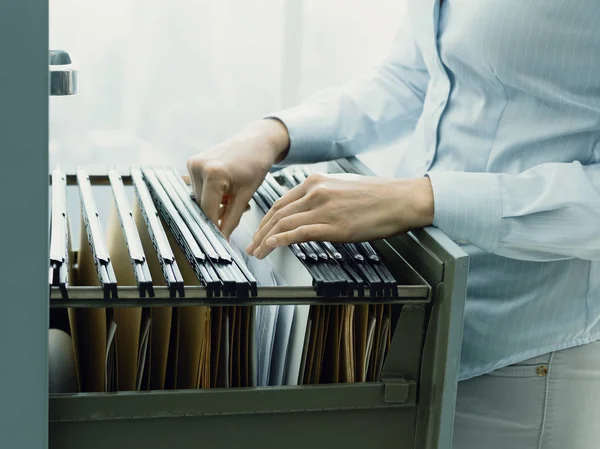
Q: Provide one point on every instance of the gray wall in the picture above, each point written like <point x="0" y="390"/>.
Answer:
<point x="23" y="223"/>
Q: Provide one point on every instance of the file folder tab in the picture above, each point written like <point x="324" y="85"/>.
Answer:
<point x="132" y="237"/>
<point x="59" y="234"/>
<point x="93" y="227"/>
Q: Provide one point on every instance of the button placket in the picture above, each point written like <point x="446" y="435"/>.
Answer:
<point x="444" y="89"/>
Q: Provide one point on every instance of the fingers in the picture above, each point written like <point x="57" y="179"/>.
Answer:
<point x="196" y="184"/>
<point x="210" y="184"/>
<point x="196" y="188"/>
<point x="292" y="195"/>
<point x="233" y="213"/>
<point x="277" y="217"/>
<point x="306" y="233"/>
<point x="223" y="206"/>
<point x="212" y="193"/>
<point x="287" y="223"/>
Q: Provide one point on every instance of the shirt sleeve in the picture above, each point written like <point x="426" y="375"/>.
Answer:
<point x="378" y="108"/>
<point x="549" y="212"/>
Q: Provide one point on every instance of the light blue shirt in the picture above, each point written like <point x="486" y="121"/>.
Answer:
<point x="501" y="101"/>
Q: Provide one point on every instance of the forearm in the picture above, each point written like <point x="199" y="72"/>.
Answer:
<point x="375" y="109"/>
<point x="272" y="134"/>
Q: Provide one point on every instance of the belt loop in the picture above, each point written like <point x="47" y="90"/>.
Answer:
<point x="546" y="399"/>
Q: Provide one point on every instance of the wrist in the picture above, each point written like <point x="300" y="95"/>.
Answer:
<point x="274" y="137"/>
<point x="414" y="199"/>
<point x="280" y="139"/>
<point x="422" y="201"/>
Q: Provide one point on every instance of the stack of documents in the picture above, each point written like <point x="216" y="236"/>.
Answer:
<point x="154" y="237"/>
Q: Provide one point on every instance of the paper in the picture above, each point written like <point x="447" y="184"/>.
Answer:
<point x="191" y="326"/>
<point x="331" y="359"/>
<point x="109" y="373"/>
<point x="281" y="341"/>
<point x="369" y="347"/>
<point x="248" y="344"/>
<point x="143" y="351"/>
<point x="173" y="353"/>
<point x="160" y="336"/>
<point x="204" y="381"/>
<point x="236" y="350"/>
<point x="361" y="327"/>
<point x="263" y="270"/>
<point x="203" y="376"/>
<point x="192" y="321"/>
<point x="161" y="317"/>
<point x="74" y="332"/>
<point x="266" y="317"/>
<point x="348" y="351"/>
<point x="88" y="326"/>
<point x="240" y="343"/>
<point x="223" y="380"/>
<point x="178" y="336"/>
<point x="377" y="311"/>
<point x="217" y="338"/>
<point x="128" y="319"/>
<point x="322" y="341"/>
<point x="252" y="356"/>
<point x="305" y="349"/>
<point x="340" y="342"/>
<point x="298" y="334"/>
<point x="72" y="314"/>
<point x="312" y="343"/>
<point x="383" y="347"/>
<point x="232" y="337"/>
<point x="276" y="339"/>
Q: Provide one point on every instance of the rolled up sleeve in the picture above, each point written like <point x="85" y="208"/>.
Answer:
<point x="468" y="207"/>
<point x="376" y="109"/>
<point x="546" y="213"/>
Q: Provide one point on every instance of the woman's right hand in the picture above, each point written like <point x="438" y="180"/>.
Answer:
<point x="229" y="173"/>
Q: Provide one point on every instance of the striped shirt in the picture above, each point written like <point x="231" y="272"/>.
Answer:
<point x="500" y="100"/>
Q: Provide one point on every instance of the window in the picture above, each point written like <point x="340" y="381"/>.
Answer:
<point x="162" y="79"/>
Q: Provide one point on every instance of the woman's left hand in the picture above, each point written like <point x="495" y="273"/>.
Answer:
<point x="344" y="208"/>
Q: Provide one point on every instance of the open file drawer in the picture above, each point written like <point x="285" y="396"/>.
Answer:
<point x="411" y="406"/>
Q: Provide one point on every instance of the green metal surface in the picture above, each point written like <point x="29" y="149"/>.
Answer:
<point x="342" y="413"/>
<point x="444" y="266"/>
<point x="348" y="429"/>
<point x="24" y="224"/>
<point x="441" y="354"/>
<point x="221" y="402"/>
<point x="91" y="297"/>
<point x="404" y="359"/>
<point x="411" y="408"/>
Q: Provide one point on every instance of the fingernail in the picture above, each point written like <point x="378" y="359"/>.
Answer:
<point x="271" y="241"/>
<point x="257" y="253"/>
<point x="250" y="248"/>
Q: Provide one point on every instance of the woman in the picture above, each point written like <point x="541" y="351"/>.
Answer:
<point x="501" y="100"/>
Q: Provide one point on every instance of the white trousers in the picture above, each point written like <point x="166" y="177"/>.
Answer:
<point x="549" y="402"/>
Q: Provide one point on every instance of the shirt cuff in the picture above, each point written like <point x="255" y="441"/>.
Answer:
<point x="310" y="132"/>
<point x="468" y="207"/>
